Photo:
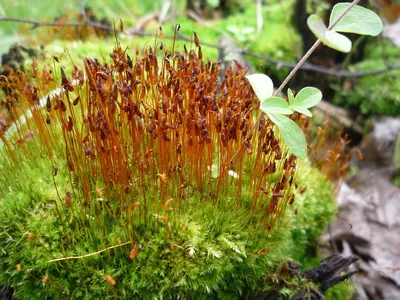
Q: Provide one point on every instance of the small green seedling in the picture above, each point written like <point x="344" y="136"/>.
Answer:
<point x="276" y="108"/>
<point x="345" y="17"/>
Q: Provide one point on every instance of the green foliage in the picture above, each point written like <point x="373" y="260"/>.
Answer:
<point x="213" y="252"/>
<point x="376" y="94"/>
<point x="307" y="97"/>
<point x="282" y="38"/>
<point x="343" y="291"/>
<point x="357" y="20"/>
<point x="396" y="181"/>
<point x="291" y="133"/>
<point x="329" y="38"/>
<point x="276" y="107"/>
<point x="303" y="235"/>
<point x="262" y="86"/>
<point x="206" y="251"/>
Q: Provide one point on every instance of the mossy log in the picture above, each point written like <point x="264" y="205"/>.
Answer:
<point x="322" y="277"/>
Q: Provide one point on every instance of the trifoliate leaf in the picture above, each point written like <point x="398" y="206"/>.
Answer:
<point x="329" y="38"/>
<point x="262" y="86"/>
<point x="291" y="134"/>
<point x="275" y="105"/>
<point x="358" y="20"/>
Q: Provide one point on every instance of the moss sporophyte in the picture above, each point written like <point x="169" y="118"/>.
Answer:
<point x="151" y="177"/>
<point x="148" y="132"/>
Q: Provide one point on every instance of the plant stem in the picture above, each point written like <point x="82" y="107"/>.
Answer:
<point x="297" y="67"/>
<point x="294" y="71"/>
<point x="311" y="50"/>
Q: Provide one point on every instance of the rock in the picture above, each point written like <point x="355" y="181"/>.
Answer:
<point x="378" y="146"/>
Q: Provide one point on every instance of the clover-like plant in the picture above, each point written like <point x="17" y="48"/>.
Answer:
<point x="356" y="19"/>
<point x="276" y="108"/>
<point x="345" y="17"/>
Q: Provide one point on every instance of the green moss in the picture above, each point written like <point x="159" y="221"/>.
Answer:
<point x="396" y="181"/>
<point x="343" y="290"/>
<point x="313" y="213"/>
<point x="375" y="94"/>
<point x="213" y="252"/>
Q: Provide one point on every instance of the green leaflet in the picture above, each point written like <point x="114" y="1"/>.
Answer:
<point x="306" y="98"/>
<point x="276" y="108"/>
<point x="329" y="38"/>
<point x="276" y="105"/>
<point x="291" y="133"/>
<point x="358" y="20"/>
<point x="262" y="86"/>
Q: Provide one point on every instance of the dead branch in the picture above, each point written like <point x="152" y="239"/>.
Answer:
<point x="318" y="69"/>
<point x="327" y="274"/>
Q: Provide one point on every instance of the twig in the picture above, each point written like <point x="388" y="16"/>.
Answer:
<point x="83" y="11"/>
<point x="143" y="21"/>
<point x="260" y="20"/>
<point x="345" y="222"/>
<point x="90" y="254"/>
<point x="336" y="73"/>
<point x="315" y="68"/>
<point x="37" y="24"/>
